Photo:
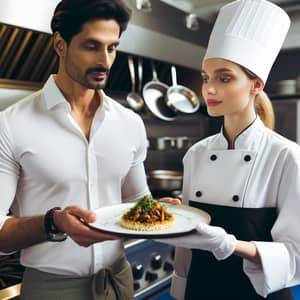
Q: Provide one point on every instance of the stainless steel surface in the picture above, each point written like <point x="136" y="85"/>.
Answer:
<point x="165" y="180"/>
<point x="287" y="118"/>
<point x="154" y="95"/>
<point x="134" y="100"/>
<point x="181" y="98"/>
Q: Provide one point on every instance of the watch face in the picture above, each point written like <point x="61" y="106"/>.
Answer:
<point x="57" y="237"/>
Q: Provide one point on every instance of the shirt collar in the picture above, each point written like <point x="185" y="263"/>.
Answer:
<point x="54" y="97"/>
<point x="247" y="139"/>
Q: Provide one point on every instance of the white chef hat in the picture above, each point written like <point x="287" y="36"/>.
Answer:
<point x="250" y="33"/>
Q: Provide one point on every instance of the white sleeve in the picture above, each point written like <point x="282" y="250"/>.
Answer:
<point x="135" y="185"/>
<point x="182" y="264"/>
<point x="9" y="171"/>
<point x="183" y="256"/>
<point x="280" y="259"/>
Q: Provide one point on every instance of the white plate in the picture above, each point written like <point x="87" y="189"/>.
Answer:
<point x="186" y="219"/>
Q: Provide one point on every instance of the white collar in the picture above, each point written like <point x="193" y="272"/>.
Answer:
<point x="54" y="97"/>
<point x="249" y="138"/>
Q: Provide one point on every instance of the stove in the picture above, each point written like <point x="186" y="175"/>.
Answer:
<point x="152" y="267"/>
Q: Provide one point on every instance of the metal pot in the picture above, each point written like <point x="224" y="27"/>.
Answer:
<point x="165" y="180"/>
<point x="181" y="98"/>
<point x="154" y="93"/>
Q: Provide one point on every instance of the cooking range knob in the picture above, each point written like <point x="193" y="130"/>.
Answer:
<point x="168" y="267"/>
<point x="137" y="271"/>
<point x="136" y="286"/>
<point x="156" y="261"/>
<point x="150" y="276"/>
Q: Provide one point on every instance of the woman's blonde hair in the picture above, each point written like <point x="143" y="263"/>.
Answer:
<point x="262" y="104"/>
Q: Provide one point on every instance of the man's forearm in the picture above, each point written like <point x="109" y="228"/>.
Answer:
<point x="19" y="233"/>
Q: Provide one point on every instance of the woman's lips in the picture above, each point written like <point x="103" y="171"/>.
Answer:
<point x="213" y="102"/>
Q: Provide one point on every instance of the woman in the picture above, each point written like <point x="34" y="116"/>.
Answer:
<point x="247" y="177"/>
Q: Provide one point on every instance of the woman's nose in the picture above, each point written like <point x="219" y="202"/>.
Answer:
<point x="210" y="89"/>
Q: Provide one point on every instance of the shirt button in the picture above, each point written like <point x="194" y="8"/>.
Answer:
<point x="198" y="194"/>
<point x="235" y="198"/>
<point x="213" y="157"/>
<point x="247" y="158"/>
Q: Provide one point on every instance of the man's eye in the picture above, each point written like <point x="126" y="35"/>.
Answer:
<point x="112" y="48"/>
<point x="90" y="47"/>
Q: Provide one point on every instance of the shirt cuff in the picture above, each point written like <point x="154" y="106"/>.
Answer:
<point x="178" y="286"/>
<point x="272" y="275"/>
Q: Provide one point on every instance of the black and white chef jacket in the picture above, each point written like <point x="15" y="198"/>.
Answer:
<point x="46" y="161"/>
<point x="263" y="170"/>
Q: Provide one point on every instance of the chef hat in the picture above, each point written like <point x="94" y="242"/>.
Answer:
<point x="249" y="33"/>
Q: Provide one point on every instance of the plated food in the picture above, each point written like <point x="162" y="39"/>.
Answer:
<point x="147" y="215"/>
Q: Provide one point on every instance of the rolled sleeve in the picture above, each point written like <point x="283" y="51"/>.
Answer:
<point x="272" y="275"/>
<point x="178" y="286"/>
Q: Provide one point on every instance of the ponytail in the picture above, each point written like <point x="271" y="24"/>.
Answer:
<point x="263" y="107"/>
<point x="262" y="103"/>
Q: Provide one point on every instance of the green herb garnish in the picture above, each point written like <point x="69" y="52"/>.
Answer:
<point x="145" y="203"/>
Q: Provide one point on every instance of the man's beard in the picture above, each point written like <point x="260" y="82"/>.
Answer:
<point x="83" y="80"/>
<point x="100" y="84"/>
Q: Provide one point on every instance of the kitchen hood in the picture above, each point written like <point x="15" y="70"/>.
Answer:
<point x="160" y="34"/>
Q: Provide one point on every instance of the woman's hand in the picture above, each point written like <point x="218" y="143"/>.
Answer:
<point x="73" y="221"/>
<point x="206" y="237"/>
<point x="170" y="200"/>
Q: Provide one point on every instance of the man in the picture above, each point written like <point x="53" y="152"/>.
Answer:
<point x="65" y="151"/>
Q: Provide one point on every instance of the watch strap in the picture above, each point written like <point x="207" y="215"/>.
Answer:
<point x="53" y="234"/>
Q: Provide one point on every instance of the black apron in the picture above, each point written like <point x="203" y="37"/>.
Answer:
<point x="210" y="279"/>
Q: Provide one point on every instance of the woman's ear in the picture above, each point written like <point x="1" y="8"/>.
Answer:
<point x="257" y="87"/>
<point x="60" y="45"/>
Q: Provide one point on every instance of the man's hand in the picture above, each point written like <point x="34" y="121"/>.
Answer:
<point x="73" y="221"/>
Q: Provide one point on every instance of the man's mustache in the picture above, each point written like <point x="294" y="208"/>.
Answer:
<point x="97" y="70"/>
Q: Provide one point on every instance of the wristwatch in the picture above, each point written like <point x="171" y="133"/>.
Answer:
<point x="53" y="234"/>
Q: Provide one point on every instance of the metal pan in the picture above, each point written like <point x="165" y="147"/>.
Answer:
<point x="154" y="93"/>
<point x="181" y="98"/>
<point x="135" y="100"/>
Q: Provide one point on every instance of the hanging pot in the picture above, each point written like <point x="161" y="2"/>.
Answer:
<point x="164" y="180"/>
<point x="154" y="93"/>
<point x="181" y="98"/>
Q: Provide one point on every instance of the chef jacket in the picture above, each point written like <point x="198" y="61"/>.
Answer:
<point x="46" y="161"/>
<point x="263" y="170"/>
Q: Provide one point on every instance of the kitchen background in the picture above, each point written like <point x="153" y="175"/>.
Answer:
<point x="162" y="34"/>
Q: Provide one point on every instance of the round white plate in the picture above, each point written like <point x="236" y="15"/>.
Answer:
<point x="186" y="219"/>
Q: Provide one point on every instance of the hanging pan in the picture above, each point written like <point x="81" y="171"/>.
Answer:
<point x="181" y="98"/>
<point x="154" y="93"/>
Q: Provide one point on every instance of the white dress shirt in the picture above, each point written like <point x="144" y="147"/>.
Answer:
<point x="270" y="178"/>
<point x="46" y="161"/>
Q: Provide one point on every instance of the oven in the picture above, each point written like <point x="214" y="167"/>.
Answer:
<point x="152" y="267"/>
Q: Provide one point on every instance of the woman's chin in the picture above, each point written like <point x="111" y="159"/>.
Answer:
<point x="214" y="113"/>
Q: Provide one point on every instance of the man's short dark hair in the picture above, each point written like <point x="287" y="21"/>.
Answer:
<point x="70" y="15"/>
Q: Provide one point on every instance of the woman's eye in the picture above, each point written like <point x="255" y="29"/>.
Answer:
<point x="224" y="79"/>
<point x="204" y="79"/>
